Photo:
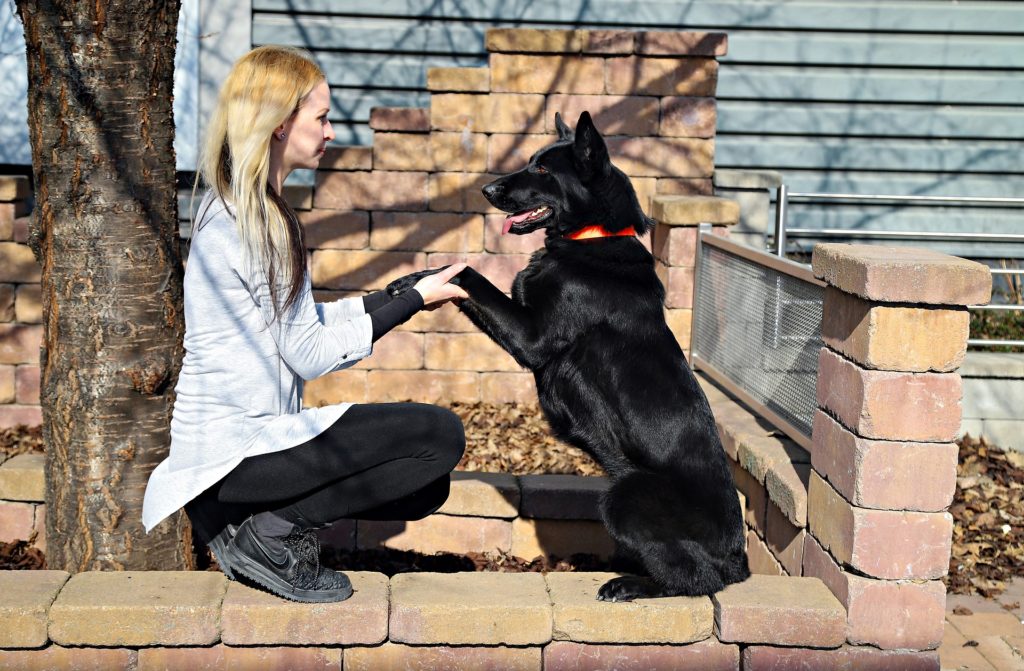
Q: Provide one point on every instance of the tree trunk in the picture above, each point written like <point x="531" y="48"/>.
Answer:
<point x="104" y="229"/>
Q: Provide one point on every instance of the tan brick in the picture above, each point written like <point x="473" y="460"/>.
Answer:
<point x="889" y="405"/>
<point x="401" y="119"/>
<point x="466" y="351"/>
<point x="694" y="210"/>
<point x="645" y="188"/>
<point x="889" y="614"/>
<point x="347" y="158"/>
<point x="978" y="625"/>
<point x="786" y="483"/>
<point x="268" y="658"/>
<point x="613" y="115"/>
<point x="759" y="454"/>
<point x="7" y="221"/>
<point x="423" y="386"/>
<point x="678" y="282"/>
<point x="256" y="617"/>
<point x="7" y="389"/>
<point x="902" y="274"/>
<point x="298" y="196"/>
<point x="25" y="598"/>
<point x="7" y="293"/>
<point x="890" y="337"/>
<point x="402" y="151"/>
<point x="608" y="41"/>
<point x="493" y="113"/>
<point x="688" y="117"/>
<point x="482" y="495"/>
<point x="882" y="473"/>
<point x="571" y="497"/>
<point x="579" y="616"/>
<point x="784" y="539"/>
<point x="17" y="521"/>
<point x="470" y="609"/>
<point x="27" y="384"/>
<point x="956" y="655"/>
<point x="445" y="319"/>
<point x="677" y="245"/>
<point x="680" y="322"/>
<point x="68" y="659"/>
<point x="400" y="350"/>
<point x="671" y="186"/>
<point x="17" y="264"/>
<point x="28" y="305"/>
<point x="137" y="608"/>
<point x="1002" y="652"/>
<point x="507" y="153"/>
<point x="639" y="75"/>
<point x="392" y="657"/>
<point x="343" y="386"/>
<point x="662" y="156"/>
<point x="508" y="388"/>
<point x="427" y="231"/>
<point x="879" y="543"/>
<point x="474" y="80"/>
<point x="21" y="478"/>
<point x="336" y="229"/>
<point x="458" y="192"/>
<point x="12" y="415"/>
<point x="520" y="40"/>
<point x="458" y="152"/>
<point x="22" y="226"/>
<point x="764" y="658"/>
<point x="14" y="187"/>
<point x="708" y="655"/>
<point x="559" y="538"/>
<point x="500" y="269"/>
<point x="362" y="270"/>
<point x="376" y="190"/>
<point x="780" y="611"/>
<point x="755" y="495"/>
<point x="438" y="533"/>
<point x="760" y="557"/>
<point x="679" y="44"/>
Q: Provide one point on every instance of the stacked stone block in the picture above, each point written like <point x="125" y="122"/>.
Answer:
<point x="884" y="463"/>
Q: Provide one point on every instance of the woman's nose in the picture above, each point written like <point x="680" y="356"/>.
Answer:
<point x="329" y="132"/>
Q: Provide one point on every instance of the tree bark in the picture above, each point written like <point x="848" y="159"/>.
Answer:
<point x="104" y="229"/>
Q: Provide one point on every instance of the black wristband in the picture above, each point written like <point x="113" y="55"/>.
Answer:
<point x="375" y="300"/>
<point x="398" y="310"/>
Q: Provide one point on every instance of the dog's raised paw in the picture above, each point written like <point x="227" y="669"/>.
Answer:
<point x="406" y="282"/>
<point x="628" y="588"/>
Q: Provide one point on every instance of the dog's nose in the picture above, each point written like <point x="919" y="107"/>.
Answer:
<point x="491" y="191"/>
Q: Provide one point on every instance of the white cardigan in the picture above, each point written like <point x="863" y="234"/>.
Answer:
<point x="239" y="393"/>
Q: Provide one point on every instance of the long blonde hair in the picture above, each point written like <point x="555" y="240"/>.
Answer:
<point x="264" y="88"/>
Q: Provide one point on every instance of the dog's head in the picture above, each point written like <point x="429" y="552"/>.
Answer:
<point x="567" y="186"/>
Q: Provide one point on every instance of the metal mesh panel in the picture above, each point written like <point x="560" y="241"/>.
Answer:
<point x="762" y="329"/>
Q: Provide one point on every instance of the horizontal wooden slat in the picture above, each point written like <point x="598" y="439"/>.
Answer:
<point x="775" y="153"/>
<point x="972" y="17"/>
<point x="803" y="118"/>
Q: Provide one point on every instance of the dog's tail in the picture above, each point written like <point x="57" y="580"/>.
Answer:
<point x="690" y="542"/>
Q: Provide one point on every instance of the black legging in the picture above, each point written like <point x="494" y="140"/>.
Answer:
<point x="378" y="461"/>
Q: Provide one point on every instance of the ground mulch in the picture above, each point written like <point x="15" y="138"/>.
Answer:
<point x="987" y="509"/>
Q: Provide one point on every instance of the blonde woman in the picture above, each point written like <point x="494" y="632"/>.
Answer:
<point x="255" y="472"/>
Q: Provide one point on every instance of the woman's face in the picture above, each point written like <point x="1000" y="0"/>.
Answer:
<point x="308" y="131"/>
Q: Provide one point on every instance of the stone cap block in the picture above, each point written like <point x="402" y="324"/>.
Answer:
<point x="709" y="655"/>
<point x="572" y="497"/>
<point x="21" y="478"/>
<point x="780" y="610"/>
<point x="747" y="179"/>
<point x="255" y="617"/>
<point x="470" y="609"/>
<point x="13" y="187"/>
<point x="392" y="657"/>
<point x="902" y="274"/>
<point x="261" y="658"/>
<point x="579" y="616"/>
<point x="405" y="119"/>
<point x="526" y="40"/>
<point x="139" y="608"/>
<point x="694" y="210"/>
<point x="25" y="598"/>
<point x="862" y="658"/>
<point x="482" y="495"/>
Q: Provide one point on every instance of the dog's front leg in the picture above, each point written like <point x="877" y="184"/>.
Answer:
<point x="506" y="322"/>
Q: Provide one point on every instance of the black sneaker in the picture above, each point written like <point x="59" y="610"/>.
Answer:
<point x="212" y="530"/>
<point x="289" y="567"/>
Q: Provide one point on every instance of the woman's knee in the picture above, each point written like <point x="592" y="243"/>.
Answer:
<point x="445" y="434"/>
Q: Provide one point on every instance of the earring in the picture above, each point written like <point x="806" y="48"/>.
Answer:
<point x="281" y="136"/>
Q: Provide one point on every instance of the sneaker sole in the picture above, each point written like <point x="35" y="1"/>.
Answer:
<point x="218" y="545"/>
<point x="252" y="570"/>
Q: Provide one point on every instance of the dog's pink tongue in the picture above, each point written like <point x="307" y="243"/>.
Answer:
<point x="513" y="219"/>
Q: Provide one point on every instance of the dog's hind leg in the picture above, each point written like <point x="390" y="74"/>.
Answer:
<point x="645" y="513"/>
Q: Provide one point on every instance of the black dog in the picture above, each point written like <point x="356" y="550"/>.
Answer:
<point x="587" y="317"/>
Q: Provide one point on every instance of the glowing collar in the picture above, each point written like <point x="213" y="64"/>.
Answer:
<point x="599" y="231"/>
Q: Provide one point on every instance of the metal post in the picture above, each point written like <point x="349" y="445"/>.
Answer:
<point x="781" y="195"/>
<point x="702" y="230"/>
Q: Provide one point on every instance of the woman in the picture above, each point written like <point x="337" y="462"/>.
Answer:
<point x="242" y="449"/>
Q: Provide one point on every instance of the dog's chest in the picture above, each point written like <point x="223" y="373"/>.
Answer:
<point x="529" y="278"/>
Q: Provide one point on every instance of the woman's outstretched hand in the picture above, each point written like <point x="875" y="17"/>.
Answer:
<point x="437" y="289"/>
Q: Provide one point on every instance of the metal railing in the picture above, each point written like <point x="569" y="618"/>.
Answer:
<point x="782" y="233"/>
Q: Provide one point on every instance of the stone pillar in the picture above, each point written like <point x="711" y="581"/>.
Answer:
<point x="753" y="190"/>
<point x="675" y="250"/>
<point x="895" y="327"/>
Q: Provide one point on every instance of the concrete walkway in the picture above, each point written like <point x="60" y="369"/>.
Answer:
<point x="983" y="635"/>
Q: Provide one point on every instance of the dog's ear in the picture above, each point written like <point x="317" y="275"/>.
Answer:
<point x="564" y="132"/>
<point x="589" y="148"/>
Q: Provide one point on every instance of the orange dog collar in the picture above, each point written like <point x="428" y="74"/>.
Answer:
<point x="598" y="231"/>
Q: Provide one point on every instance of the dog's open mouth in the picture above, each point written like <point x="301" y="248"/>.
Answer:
<point x="525" y="217"/>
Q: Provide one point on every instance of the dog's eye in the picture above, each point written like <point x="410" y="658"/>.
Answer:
<point x="540" y="170"/>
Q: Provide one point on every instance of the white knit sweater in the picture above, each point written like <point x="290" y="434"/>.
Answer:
<point x="239" y="393"/>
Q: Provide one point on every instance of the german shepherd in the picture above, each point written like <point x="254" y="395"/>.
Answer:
<point x="587" y="318"/>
